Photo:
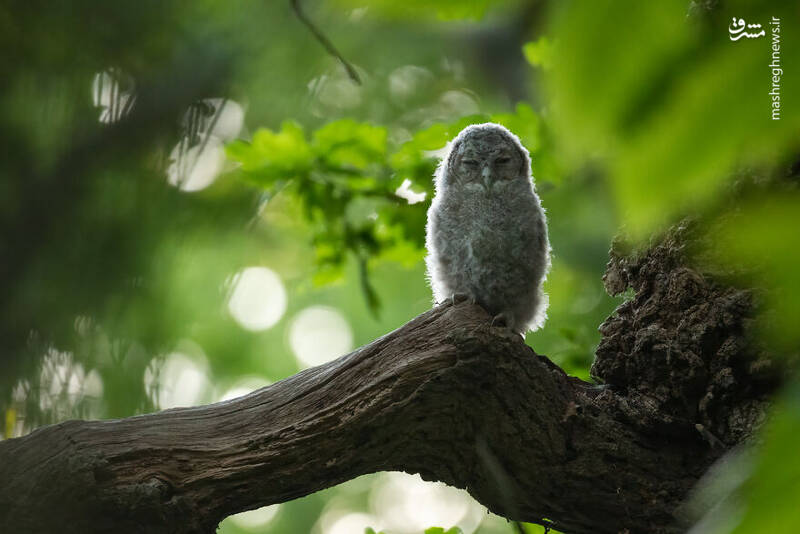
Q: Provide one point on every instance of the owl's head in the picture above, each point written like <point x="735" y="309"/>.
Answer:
<point x="485" y="158"/>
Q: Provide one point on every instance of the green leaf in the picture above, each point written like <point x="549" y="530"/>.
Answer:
<point x="273" y="155"/>
<point x="437" y="135"/>
<point x="327" y="275"/>
<point x="414" y="160"/>
<point x="524" y="123"/>
<point x="433" y="137"/>
<point x="242" y="152"/>
<point x="539" y="53"/>
<point x="404" y="252"/>
<point x="363" y="211"/>
<point x="350" y="144"/>
<point x="346" y="192"/>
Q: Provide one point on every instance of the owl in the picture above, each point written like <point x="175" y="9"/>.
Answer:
<point x="487" y="233"/>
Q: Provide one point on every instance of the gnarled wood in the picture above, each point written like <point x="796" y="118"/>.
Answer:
<point x="447" y="396"/>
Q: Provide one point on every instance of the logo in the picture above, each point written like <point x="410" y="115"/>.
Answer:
<point x="736" y="30"/>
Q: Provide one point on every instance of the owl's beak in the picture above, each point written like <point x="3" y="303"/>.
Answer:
<point x="486" y="175"/>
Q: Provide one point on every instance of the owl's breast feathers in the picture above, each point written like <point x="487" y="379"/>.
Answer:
<point x="489" y="241"/>
<point x="496" y="229"/>
<point x="491" y="249"/>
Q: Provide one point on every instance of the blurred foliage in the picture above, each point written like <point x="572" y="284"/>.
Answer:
<point x="771" y="493"/>
<point x="762" y="237"/>
<point x="658" y="98"/>
<point x="111" y="266"/>
<point x="444" y="10"/>
<point x="539" y="53"/>
<point x="347" y="179"/>
<point x="674" y="107"/>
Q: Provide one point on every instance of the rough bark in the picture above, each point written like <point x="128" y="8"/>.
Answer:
<point x="447" y="396"/>
<point x="684" y="340"/>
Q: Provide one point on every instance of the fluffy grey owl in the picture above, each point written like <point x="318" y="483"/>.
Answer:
<point x="487" y="232"/>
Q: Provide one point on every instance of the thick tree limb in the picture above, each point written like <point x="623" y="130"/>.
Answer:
<point x="447" y="396"/>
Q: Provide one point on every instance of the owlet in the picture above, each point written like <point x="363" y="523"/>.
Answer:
<point x="487" y="232"/>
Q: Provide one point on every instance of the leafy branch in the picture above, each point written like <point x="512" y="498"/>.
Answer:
<point x="348" y="179"/>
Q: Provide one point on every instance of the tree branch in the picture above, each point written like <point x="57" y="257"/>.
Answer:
<point x="324" y="41"/>
<point x="447" y="396"/>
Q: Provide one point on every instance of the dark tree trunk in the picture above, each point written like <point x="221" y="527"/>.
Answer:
<point x="449" y="397"/>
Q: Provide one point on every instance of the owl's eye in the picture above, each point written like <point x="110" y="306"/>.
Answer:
<point x="503" y="160"/>
<point x="470" y="162"/>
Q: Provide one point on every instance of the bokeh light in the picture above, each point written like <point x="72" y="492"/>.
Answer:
<point x="181" y="379"/>
<point x="243" y="386"/>
<point x="196" y="161"/>
<point x="112" y="93"/>
<point x="63" y="383"/>
<point x="229" y="119"/>
<point x="404" y="191"/>
<point x="255" y="520"/>
<point x="195" y="168"/>
<point x="258" y="299"/>
<point x="408" y="81"/>
<point x="334" y="92"/>
<point x="337" y="521"/>
<point x="319" y="334"/>
<point x="407" y="504"/>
